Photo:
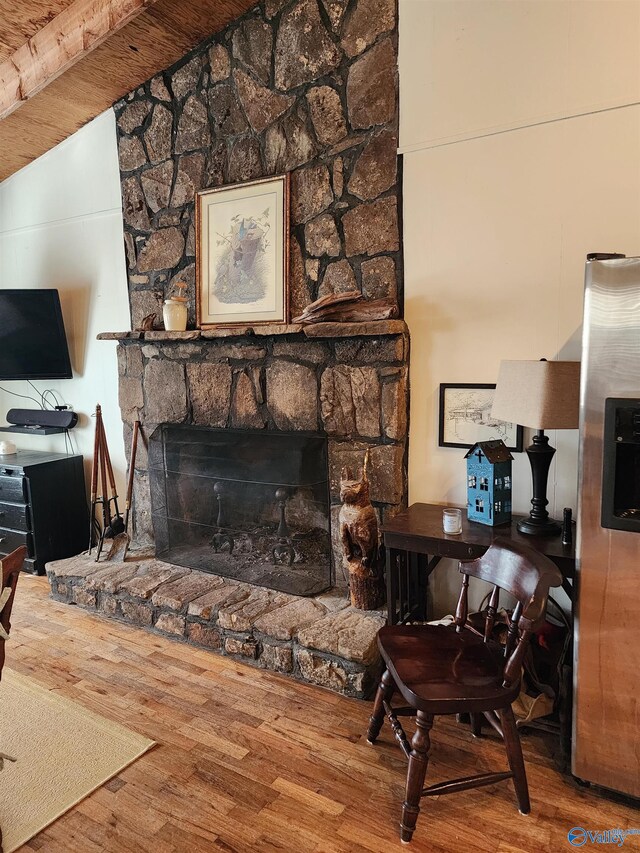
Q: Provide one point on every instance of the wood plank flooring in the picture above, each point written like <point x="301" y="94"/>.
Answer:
<point x="252" y="761"/>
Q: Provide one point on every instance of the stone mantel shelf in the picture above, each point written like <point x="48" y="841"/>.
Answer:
<point x="369" y="328"/>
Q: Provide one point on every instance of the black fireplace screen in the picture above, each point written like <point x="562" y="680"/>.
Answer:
<point x="250" y="505"/>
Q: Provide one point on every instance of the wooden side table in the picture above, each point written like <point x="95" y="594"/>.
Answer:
<point x="415" y="543"/>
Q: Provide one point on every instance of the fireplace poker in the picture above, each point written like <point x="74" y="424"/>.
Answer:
<point x="116" y="524"/>
<point x="121" y="542"/>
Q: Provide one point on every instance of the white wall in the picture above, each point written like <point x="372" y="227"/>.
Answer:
<point x="500" y="210"/>
<point x="61" y="227"/>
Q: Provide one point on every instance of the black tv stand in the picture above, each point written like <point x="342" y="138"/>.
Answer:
<point x="32" y="430"/>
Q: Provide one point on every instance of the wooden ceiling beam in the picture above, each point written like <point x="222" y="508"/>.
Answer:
<point x="60" y="44"/>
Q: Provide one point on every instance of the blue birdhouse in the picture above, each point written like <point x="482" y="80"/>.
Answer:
<point x="489" y="483"/>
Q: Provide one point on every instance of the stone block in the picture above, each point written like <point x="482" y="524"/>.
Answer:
<point x="252" y="44"/>
<point x="108" y="604"/>
<point x="209" y="392"/>
<point x="372" y="228"/>
<point x="171" y="623"/>
<point x="262" y="106"/>
<point x="304" y="50"/>
<point x="157" y="137"/>
<point x="130" y="398"/>
<point x="350" y="401"/>
<point x="156" y="184"/>
<point x="394" y="407"/>
<point x="134" y="208"/>
<point x="277" y="658"/>
<point x="335" y="10"/>
<point x="226" y="113"/>
<point x="246" y="406"/>
<point x="289" y="143"/>
<point x="241" y="615"/>
<point x="338" y="278"/>
<point x="312" y="352"/>
<point x="189" y="179"/>
<point x="292" y="396"/>
<point x="110" y="575"/>
<point x="81" y="566"/>
<point x="226" y="592"/>
<point x="220" y="63"/>
<point x="149" y="576"/>
<point x="158" y="89"/>
<point x="177" y="594"/>
<point x="310" y="192"/>
<point x="379" y="278"/>
<point x="376" y="168"/>
<point x="185" y="79"/>
<point x="245" y="159"/>
<point x="300" y="293"/>
<point x="321" y="237"/>
<point x="283" y="623"/>
<point x="372" y="86"/>
<point x="131" y="153"/>
<point x="137" y="612"/>
<point x="165" y="391"/>
<point x="162" y="250"/>
<point x="144" y="302"/>
<point x="350" y="634"/>
<point x="204" y="636"/>
<point x="235" y="351"/>
<point x="327" y="114"/>
<point x="83" y="597"/>
<point x="193" y="126"/>
<point x="368" y="20"/>
<point x="387" y="476"/>
<point x="371" y="351"/>
<point x="245" y="648"/>
<point x="133" y="115"/>
<point x="133" y="356"/>
<point x="329" y="673"/>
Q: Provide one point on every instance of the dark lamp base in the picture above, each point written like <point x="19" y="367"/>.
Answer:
<point x="536" y="528"/>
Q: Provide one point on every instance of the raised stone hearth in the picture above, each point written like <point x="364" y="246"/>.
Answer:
<point x="320" y="640"/>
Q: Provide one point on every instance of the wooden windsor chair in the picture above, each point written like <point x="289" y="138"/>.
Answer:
<point x="11" y="566"/>
<point x="457" y="670"/>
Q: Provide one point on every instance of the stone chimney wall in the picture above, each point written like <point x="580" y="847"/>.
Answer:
<point x="301" y="86"/>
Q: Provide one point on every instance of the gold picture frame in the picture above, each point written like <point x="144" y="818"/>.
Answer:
<point x="242" y="254"/>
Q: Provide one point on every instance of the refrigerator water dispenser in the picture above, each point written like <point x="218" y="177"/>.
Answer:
<point x="621" y="465"/>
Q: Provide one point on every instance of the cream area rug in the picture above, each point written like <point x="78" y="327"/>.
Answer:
<point x="63" y="752"/>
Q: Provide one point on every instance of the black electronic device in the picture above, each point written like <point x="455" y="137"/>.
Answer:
<point x="621" y="465"/>
<point x="59" y="418"/>
<point x="33" y="343"/>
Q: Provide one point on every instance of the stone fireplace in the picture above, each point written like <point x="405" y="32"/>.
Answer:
<point x="307" y="87"/>
<point x="246" y="504"/>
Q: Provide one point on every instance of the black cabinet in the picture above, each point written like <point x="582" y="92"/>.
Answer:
<point x="43" y="505"/>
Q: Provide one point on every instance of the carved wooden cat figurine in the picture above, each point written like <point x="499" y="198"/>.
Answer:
<point x="358" y="521"/>
<point x="360" y="540"/>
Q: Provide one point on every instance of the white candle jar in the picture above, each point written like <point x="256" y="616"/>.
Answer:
<point x="452" y="521"/>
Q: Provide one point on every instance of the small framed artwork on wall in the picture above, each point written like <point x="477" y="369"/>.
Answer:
<point x="465" y="417"/>
<point x="242" y="251"/>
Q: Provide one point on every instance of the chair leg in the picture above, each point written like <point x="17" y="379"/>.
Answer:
<point x="418" y="761"/>
<point x="476" y="724"/>
<point x="516" y="762"/>
<point x="385" y="691"/>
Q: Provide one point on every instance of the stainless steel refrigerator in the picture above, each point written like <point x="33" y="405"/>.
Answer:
<point x="606" y="722"/>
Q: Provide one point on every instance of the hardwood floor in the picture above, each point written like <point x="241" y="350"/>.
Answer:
<point x="248" y="760"/>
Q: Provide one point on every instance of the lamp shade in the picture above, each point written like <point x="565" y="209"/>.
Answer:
<point x="538" y="394"/>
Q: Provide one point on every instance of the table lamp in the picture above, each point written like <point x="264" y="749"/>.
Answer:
<point x="541" y="395"/>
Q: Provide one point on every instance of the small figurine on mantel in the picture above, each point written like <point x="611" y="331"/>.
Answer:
<point x="360" y="539"/>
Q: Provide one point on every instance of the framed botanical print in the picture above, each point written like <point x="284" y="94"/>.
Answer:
<point x="465" y="417"/>
<point x="242" y="251"/>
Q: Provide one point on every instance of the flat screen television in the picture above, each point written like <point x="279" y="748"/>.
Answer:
<point x="33" y="344"/>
